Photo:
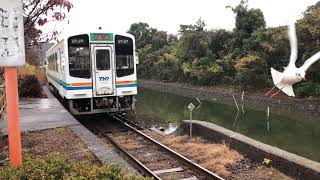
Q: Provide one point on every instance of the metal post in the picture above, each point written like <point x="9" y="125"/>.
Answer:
<point x="191" y="107"/>
<point x="190" y="123"/>
<point x="13" y="116"/>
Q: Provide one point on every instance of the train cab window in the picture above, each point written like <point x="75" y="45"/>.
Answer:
<point x="124" y="56"/>
<point x="103" y="59"/>
<point x="79" y="57"/>
<point x="55" y="62"/>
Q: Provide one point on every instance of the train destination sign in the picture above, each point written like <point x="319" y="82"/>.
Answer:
<point x="12" y="52"/>
<point x="101" y="37"/>
<point x="79" y="41"/>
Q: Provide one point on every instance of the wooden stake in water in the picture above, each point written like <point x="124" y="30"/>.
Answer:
<point x="235" y="101"/>
<point x="242" y="99"/>
<point x="199" y="103"/>
<point x="235" y="120"/>
<point x="268" y="115"/>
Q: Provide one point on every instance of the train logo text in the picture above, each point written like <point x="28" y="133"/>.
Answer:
<point x="104" y="78"/>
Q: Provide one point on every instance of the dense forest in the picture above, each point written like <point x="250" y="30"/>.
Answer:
<point x="240" y="58"/>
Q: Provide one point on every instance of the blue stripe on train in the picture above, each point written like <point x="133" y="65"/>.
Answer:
<point x="126" y="85"/>
<point x="69" y="87"/>
<point x="77" y="88"/>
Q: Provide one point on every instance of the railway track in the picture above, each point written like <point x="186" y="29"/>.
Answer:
<point x="149" y="156"/>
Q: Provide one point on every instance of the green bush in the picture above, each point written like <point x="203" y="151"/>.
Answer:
<point x="167" y="68"/>
<point x="250" y="80"/>
<point x="29" y="86"/>
<point x="307" y="89"/>
<point x="243" y="80"/>
<point x="55" y="167"/>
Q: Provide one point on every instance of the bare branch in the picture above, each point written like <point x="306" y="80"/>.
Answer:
<point x="30" y="13"/>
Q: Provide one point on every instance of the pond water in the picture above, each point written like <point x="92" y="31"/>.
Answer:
<point x="292" y="132"/>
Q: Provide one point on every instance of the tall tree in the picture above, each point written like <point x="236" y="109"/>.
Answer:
<point x="309" y="39"/>
<point x="247" y="21"/>
<point x="142" y="33"/>
<point x="194" y="41"/>
<point x="220" y="41"/>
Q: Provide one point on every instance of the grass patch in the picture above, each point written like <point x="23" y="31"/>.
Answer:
<point x="214" y="157"/>
<point x="55" y="166"/>
<point x="127" y="143"/>
<point x="218" y="158"/>
<point x="58" y="140"/>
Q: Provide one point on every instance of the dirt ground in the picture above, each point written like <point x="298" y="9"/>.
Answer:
<point x="59" y="140"/>
<point x="219" y="158"/>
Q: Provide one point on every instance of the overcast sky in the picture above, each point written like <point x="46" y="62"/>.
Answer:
<point x="167" y="15"/>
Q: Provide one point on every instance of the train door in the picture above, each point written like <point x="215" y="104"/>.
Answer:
<point x="102" y="69"/>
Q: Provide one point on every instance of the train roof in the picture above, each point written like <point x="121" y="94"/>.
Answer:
<point x="73" y="32"/>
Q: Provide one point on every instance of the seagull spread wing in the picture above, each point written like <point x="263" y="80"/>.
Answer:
<point x="310" y="61"/>
<point x="293" y="44"/>
<point x="276" y="76"/>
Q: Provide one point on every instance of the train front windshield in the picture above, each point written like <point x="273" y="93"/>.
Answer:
<point x="124" y="56"/>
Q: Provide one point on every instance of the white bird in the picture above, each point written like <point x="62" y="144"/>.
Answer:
<point x="291" y="75"/>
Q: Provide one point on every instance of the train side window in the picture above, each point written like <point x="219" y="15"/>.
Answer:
<point x="103" y="59"/>
<point x="124" y="56"/>
<point x="79" y="58"/>
<point x="60" y="57"/>
<point x="56" y="62"/>
<point x="51" y="62"/>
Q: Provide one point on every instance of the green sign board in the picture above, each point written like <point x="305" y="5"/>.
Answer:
<point x="101" y="37"/>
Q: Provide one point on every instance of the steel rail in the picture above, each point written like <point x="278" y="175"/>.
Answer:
<point x="194" y="166"/>
<point x="146" y="171"/>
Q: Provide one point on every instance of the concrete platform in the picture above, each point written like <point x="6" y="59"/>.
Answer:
<point x="41" y="114"/>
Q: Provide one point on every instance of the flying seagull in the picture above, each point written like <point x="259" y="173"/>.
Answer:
<point x="291" y="75"/>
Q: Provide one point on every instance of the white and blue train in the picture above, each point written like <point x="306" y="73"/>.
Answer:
<point x="94" y="72"/>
